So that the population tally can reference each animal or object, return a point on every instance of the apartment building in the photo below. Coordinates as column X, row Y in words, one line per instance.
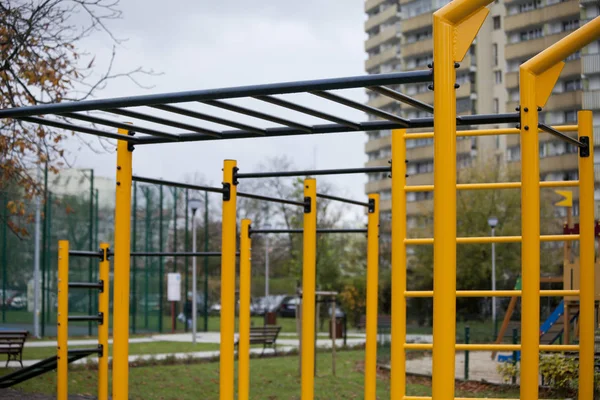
column 400, row 39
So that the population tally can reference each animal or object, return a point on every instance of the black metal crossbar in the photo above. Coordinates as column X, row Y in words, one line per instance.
column 97, row 318
column 86, row 253
column 86, row 285
column 562, row 135
column 270, row 199
column 314, row 172
column 181, row 185
column 333, row 230
column 343, row 200
column 401, row 97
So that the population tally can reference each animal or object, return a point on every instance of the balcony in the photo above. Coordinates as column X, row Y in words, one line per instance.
column 379, row 143
column 420, row 179
column 591, row 101
column 378, row 186
column 380, row 162
column 564, row 101
column 418, row 22
column 380, row 101
column 568, row 9
column 591, row 64
column 384, row 16
column 572, row 68
column 371, row 4
column 421, row 207
column 530, row 48
column 565, row 162
column 381, row 58
column 416, row 48
column 381, row 38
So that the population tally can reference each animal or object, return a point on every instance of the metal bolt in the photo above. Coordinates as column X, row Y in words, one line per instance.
column 526, row 109
column 526, row 127
column 119, row 167
column 518, row 126
column 539, row 108
column 430, row 87
column 517, row 108
column 456, row 86
column 118, row 183
column 456, row 65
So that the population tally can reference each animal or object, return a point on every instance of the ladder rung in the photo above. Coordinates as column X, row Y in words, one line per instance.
column 494, row 185
column 86, row 285
column 493, row 347
column 494, row 239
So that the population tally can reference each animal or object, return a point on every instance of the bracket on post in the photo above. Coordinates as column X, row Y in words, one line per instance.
column 226, row 191
column 307, row 205
column 584, row 150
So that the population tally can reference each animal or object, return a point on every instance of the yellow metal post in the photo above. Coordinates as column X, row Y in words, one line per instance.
column 454, row 28
column 398, row 355
column 309, row 267
column 228, row 250
column 537, row 77
column 62, row 383
column 103, row 307
column 244, row 340
column 121, row 271
column 372, row 289
column 586, row 259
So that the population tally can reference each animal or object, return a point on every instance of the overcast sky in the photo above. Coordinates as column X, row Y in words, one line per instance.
column 209, row 44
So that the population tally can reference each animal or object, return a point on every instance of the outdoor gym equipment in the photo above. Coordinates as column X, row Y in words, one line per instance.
column 454, row 28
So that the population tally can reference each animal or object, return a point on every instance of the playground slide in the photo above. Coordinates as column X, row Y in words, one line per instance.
column 544, row 328
column 41, row 367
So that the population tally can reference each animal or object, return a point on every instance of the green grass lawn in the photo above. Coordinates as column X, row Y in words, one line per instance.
column 37, row 353
column 271, row 378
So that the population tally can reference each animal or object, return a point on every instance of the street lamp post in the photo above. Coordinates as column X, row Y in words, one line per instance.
column 493, row 222
column 194, row 204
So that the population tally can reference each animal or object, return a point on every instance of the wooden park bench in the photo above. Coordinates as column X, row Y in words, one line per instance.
column 265, row 335
column 11, row 344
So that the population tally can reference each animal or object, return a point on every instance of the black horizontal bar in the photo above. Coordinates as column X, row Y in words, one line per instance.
column 85, row 253
column 176, row 254
column 346, row 171
column 162, row 121
column 206, row 117
column 96, row 350
column 343, row 200
column 98, row 318
column 402, row 98
column 481, row 119
column 176, row 184
column 271, row 199
column 561, row 135
column 323, row 230
column 86, row 285
column 214, row 94
column 309, row 111
column 120, row 125
column 258, row 114
column 362, row 107
column 82, row 129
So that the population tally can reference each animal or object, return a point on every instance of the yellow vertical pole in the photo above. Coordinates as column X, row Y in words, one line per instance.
column 121, row 271
column 62, row 383
column 228, row 250
column 244, row 341
column 309, row 268
column 530, row 245
column 103, row 307
column 586, row 259
column 398, row 355
column 454, row 28
column 444, row 211
column 372, row 292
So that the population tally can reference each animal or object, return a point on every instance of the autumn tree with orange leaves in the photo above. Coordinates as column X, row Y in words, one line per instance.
column 40, row 63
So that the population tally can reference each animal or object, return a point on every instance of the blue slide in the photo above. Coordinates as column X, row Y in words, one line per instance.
column 544, row 328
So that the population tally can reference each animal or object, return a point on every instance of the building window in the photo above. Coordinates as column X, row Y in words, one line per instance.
column 570, row 116
column 570, row 25
column 530, row 5
column 498, row 77
column 496, row 22
column 531, row 34
column 572, row 84
column 496, row 108
column 495, row 53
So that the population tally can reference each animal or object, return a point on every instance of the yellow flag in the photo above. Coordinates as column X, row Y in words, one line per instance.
column 567, row 200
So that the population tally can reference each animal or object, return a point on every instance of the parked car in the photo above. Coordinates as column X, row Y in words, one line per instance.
column 287, row 308
column 215, row 309
column 18, row 302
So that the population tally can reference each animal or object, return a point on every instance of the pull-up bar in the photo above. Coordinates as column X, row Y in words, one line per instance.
column 581, row 144
column 312, row 172
column 177, row 254
column 343, row 200
column 214, row 190
column 323, row 230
